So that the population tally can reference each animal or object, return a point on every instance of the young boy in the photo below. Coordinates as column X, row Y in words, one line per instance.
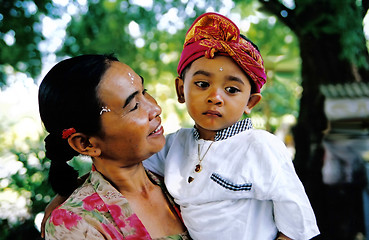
column 231, row 181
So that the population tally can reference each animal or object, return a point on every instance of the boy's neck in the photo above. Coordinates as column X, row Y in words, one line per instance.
column 224, row 133
column 205, row 133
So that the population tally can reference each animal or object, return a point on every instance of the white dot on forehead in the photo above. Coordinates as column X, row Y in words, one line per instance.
column 131, row 76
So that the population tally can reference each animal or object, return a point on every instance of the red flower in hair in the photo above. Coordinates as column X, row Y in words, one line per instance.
column 67, row 132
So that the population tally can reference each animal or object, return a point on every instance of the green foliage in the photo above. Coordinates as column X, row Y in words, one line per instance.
column 34, row 178
column 20, row 35
column 29, row 182
column 279, row 48
column 345, row 19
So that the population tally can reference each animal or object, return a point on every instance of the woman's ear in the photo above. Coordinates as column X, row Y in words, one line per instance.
column 84, row 145
column 179, row 90
column 253, row 100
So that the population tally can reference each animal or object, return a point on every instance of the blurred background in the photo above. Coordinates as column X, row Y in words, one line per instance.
column 316, row 98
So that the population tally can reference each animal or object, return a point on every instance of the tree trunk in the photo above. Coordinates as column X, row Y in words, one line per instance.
column 333, row 51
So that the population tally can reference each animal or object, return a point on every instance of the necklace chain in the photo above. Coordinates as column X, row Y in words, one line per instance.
column 198, row 166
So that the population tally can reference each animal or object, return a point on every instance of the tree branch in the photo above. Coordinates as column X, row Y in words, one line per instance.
column 365, row 4
column 275, row 7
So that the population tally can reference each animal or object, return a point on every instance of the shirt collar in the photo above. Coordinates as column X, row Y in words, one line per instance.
column 230, row 131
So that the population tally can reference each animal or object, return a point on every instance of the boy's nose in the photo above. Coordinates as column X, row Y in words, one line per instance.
column 215, row 98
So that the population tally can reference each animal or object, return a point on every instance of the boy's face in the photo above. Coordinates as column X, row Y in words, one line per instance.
column 216, row 92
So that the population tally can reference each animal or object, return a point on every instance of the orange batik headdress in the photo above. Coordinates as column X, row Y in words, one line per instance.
column 213, row 34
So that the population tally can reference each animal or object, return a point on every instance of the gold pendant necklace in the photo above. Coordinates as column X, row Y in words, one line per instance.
column 198, row 166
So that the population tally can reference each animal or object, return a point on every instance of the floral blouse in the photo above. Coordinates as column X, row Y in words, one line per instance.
column 97, row 210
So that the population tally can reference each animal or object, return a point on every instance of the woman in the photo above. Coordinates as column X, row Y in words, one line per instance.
column 96, row 106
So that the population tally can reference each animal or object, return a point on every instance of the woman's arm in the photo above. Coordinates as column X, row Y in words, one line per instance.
column 281, row 236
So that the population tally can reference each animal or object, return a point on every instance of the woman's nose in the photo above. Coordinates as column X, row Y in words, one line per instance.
column 154, row 108
column 215, row 97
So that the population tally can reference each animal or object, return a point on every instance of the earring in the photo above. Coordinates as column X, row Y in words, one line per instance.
column 181, row 99
column 221, row 69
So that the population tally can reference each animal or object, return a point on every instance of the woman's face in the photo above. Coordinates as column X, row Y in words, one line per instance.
column 131, row 130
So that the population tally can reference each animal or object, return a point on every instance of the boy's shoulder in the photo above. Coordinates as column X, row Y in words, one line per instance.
column 182, row 132
column 264, row 141
column 181, row 135
column 254, row 135
column 258, row 138
column 186, row 130
column 259, row 135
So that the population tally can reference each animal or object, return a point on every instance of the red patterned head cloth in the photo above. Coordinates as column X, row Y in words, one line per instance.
column 212, row 34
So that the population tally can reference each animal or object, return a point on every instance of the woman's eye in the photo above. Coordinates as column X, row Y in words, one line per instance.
column 202, row 84
column 232, row 89
column 135, row 107
column 137, row 104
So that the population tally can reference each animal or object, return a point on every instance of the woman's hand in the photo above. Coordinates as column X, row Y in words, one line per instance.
column 58, row 199
column 281, row 236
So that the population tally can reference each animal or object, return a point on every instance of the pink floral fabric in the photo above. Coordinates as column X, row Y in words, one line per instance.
column 62, row 216
column 97, row 210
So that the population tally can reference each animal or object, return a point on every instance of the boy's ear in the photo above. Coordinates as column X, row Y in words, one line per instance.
column 180, row 90
column 84, row 145
column 253, row 100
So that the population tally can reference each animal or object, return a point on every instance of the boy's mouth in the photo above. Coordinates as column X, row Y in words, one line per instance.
column 212, row 113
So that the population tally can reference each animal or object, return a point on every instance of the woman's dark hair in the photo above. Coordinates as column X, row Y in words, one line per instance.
column 68, row 98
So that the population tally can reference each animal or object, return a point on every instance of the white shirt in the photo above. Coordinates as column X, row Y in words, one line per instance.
column 247, row 189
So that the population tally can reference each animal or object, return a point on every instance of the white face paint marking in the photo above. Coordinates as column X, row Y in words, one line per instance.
column 132, row 77
column 104, row 109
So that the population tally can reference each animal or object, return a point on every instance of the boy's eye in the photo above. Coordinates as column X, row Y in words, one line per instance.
column 202, row 84
column 232, row 89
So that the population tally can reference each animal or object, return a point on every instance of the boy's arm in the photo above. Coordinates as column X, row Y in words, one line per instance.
column 289, row 196
column 285, row 189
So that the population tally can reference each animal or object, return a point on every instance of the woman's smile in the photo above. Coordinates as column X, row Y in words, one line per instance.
column 158, row 131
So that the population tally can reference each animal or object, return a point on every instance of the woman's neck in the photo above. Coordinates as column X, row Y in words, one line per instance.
column 131, row 180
